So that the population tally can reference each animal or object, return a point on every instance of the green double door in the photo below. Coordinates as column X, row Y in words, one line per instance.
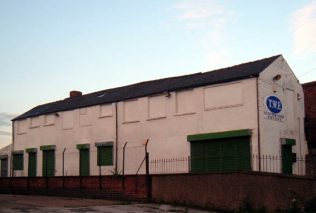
column 84, row 162
column 32, row 164
column 48, row 163
column 287, row 161
column 218, row 155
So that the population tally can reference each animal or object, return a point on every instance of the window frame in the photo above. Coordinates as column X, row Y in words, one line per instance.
column 18, row 161
column 105, row 154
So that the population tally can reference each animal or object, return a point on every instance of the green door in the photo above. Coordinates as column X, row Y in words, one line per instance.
column 212, row 156
column 198, row 162
column 32, row 164
column 227, row 154
column 4, row 167
column 287, row 159
column 84, row 166
column 48, row 163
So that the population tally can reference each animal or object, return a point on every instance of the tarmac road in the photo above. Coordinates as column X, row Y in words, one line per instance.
column 36, row 204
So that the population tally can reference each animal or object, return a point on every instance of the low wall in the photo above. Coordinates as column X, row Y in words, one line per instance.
column 130, row 187
column 311, row 165
column 228, row 191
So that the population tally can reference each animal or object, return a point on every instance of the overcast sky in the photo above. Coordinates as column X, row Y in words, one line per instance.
column 49, row 47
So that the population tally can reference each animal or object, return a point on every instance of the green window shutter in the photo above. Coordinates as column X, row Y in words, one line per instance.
column 32, row 164
column 105, row 155
column 17, row 161
column 48, row 163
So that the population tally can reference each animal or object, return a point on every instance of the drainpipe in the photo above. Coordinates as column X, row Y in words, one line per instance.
column 299, row 135
column 258, row 125
column 116, row 138
column 64, row 169
column 12, row 149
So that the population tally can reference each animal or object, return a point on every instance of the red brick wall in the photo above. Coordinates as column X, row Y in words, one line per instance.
column 132, row 186
column 228, row 191
column 310, row 113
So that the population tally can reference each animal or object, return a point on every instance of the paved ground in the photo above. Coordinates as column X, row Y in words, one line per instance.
column 30, row 204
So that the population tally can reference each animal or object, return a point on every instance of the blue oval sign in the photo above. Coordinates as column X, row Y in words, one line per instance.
column 274, row 104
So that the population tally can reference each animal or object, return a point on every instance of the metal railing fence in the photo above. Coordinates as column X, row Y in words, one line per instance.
column 268, row 163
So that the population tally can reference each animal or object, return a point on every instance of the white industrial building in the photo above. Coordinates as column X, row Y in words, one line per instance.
column 221, row 119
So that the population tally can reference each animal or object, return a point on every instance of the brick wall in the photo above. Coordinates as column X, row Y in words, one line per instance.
column 130, row 187
column 228, row 191
column 310, row 113
column 223, row 191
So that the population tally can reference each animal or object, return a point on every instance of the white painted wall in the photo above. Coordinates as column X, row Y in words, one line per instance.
column 165, row 121
column 189, row 112
column 66, row 130
column 290, row 92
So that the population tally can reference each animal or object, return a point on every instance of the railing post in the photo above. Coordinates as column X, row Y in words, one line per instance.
column 64, row 168
column 123, row 169
column 99, row 162
column 148, row 178
column 46, row 170
column 189, row 164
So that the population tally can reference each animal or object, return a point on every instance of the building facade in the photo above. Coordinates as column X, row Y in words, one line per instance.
column 5, row 158
column 220, row 119
column 310, row 115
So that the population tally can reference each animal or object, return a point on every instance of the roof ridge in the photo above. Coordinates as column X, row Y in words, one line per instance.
column 179, row 76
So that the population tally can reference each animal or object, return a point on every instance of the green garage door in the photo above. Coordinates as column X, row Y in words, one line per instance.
column 84, row 162
column 48, row 163
column 217, row 155
column 32, row 164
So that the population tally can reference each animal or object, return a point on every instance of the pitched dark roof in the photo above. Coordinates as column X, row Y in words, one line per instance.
column 237, row 72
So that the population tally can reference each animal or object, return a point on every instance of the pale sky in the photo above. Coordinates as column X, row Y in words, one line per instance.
column 49, row 47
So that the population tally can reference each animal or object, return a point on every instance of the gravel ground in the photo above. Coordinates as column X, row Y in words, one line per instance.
column 35, row 204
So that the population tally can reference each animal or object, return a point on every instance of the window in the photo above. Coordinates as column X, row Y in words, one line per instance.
column 85, row 117
column 131, row 111
column 49, row 119
column 106, row 110
column 18, row 161
column 105, row 155
column 223, row 96
column 83, row 111
column 22, row 126
column 35, row 122
column 185, row 102
column 68, row 120
column 157, row 107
